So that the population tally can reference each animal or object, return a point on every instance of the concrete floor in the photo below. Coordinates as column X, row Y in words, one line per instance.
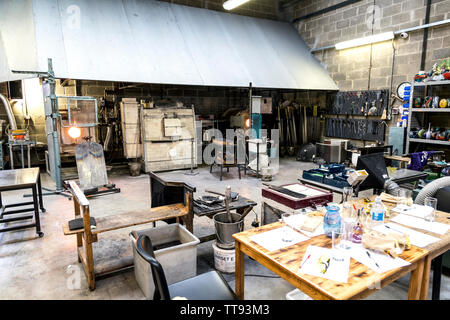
column 47, row 268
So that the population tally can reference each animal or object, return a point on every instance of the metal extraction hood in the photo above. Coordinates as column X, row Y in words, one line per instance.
column 154, row 42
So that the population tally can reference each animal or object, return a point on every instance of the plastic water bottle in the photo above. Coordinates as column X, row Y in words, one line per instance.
column 377, row 212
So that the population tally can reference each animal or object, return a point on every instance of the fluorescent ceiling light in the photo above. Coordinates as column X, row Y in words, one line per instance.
column 231, row 4
column 366, row 40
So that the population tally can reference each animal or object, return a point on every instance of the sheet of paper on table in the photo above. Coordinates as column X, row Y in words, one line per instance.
column 339, row 263
column 417, row 238
column 415, row 210
column 307, row 191
column 418, row 223
column 272, row 240
column 296, row 221
column 385, row 262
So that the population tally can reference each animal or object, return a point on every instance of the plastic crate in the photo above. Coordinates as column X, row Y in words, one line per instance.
column 178, row 261
column 314, row 175
column 338, row 182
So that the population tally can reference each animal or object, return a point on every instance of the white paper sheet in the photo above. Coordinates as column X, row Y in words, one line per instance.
column 307, row 191
column 339, row 263
column 415, row 210
column 297, row 220
column 418, row 223
column 272, row 240
column 418, row 239
column 385, row 262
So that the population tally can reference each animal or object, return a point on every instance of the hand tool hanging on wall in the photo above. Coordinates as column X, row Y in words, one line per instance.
column 369, row 102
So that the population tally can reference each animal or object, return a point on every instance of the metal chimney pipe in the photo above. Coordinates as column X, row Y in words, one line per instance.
column 9, row 112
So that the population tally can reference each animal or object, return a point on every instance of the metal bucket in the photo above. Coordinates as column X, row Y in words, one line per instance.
column 225, row 229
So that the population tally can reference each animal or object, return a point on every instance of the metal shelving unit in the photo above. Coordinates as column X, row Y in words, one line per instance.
column 424, row 110
column 446, row 143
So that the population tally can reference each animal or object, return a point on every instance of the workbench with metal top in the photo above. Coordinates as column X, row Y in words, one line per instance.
column 19, row 179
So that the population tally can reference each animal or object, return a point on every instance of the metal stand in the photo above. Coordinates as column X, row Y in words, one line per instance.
column 21, row 144
column 192, row 172
column 51, row 104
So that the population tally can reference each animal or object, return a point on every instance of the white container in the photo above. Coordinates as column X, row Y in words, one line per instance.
column 224, row 259
column 179, row 261
column 297, row 295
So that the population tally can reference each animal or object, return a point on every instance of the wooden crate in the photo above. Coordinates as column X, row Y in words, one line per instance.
column 131, row 131
column 167, row 138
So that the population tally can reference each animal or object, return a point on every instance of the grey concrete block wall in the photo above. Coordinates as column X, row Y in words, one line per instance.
column 370, row 67
column 355, row 21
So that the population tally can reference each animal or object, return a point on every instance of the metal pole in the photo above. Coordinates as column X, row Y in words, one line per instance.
column 50, row 75
column 54, row 115
column 192, row 172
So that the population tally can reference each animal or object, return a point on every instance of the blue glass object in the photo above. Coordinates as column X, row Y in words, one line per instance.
column 332, row 220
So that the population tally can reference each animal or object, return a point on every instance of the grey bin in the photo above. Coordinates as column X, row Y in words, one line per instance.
column 179, row 261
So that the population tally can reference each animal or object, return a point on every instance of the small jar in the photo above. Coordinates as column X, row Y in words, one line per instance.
column 332, row 220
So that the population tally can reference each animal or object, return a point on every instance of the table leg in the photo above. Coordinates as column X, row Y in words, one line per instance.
column 29, row 156
column 415, row 283
column 41, row 202
column 437, row 274
column 425, row 279
column 239, row 271
column 36, row 212
column 11, row 157
column 21, row 154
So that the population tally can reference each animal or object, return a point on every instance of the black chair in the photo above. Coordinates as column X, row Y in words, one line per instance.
column 207, row 286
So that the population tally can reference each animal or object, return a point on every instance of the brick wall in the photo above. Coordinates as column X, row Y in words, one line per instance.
column 370, row 67
column 267, row 9
column 350, row 67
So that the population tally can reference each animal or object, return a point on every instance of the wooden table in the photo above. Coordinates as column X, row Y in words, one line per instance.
column 362, row 281
column 435, row 250
column 19, row 179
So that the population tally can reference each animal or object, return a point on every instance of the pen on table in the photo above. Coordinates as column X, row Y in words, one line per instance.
column 393, row 229
column 372, row 258
column 309, row 256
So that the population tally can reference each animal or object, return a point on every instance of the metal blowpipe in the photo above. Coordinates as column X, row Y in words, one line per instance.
column 227, row 203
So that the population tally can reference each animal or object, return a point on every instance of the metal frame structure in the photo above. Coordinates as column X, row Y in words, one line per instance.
column 74, row 98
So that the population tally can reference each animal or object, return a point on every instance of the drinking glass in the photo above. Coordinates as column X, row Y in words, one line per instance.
column 336, row 238
column 430, row 202
column 406, row 194
column 287, row 235
column 347, row 193
column 347, row 230
column 337, row 244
